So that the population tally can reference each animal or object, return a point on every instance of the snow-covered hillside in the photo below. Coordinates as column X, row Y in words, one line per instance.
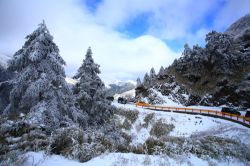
column 119, row 87
column 185, row 126
column 120, row 159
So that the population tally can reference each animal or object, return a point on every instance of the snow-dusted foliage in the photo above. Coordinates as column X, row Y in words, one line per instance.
column 90, row 92
column 39, row 88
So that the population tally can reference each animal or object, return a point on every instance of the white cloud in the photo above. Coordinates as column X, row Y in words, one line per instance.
column 74, row 29
column 171, row 19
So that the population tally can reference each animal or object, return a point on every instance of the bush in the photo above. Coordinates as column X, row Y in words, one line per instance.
column 148, row 118
column 159, row 129
column 152, row 144
column 131, row 115
column 126, row 125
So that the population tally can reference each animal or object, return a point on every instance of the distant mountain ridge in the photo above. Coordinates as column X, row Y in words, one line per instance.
column 218, row 74
column 4, row 60
column 119, row 87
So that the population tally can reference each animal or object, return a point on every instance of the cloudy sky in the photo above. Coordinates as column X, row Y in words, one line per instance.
column 127, row 37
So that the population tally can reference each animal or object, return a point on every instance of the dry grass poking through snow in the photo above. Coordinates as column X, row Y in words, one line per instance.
column 148, row 119
column 158, row 141
column 160, row 129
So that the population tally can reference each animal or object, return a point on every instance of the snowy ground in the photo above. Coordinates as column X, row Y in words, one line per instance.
column 121, row 159
column 185, row 126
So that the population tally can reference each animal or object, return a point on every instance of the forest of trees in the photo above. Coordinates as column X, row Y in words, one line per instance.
column 36, row 101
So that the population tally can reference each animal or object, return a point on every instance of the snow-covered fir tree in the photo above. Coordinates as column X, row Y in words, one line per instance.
column 138, row 82
column 146, row 80
column 39, row 88
column 90, row 91
column 152, row 74
column 161, row 71
column 187, row 50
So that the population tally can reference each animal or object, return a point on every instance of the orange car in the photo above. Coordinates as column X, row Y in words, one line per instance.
column 141, row 103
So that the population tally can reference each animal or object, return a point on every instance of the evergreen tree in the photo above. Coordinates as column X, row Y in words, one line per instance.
column 187, row 50
column 161, row 71
column 90, row 91
column 146, row 80
column 39, row 88
column 152, row 74
column 138, row 82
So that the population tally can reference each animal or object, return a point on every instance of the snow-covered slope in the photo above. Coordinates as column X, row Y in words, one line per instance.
column 119, row 87
column 121, row 159
column 185, row 126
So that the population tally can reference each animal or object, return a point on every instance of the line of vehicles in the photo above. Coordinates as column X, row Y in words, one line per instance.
column 228, row 110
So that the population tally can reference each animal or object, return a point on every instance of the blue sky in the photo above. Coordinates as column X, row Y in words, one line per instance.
column 127, row 37
column 138, row 24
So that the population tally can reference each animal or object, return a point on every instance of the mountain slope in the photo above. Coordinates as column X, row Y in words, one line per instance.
column 218, row 74
column 119, row 87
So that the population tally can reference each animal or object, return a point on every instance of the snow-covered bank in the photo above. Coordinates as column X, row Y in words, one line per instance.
column 186, row 125
column 123, row 159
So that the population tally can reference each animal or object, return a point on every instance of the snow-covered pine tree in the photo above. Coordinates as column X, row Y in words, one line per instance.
column 138, row 82
column 146, row 80
column 152, row 74
column 187, row 50
column 90, row 92
column 161, row 71
column 39, row 88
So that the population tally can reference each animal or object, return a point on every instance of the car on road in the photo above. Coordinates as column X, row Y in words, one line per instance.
column 122, row 100
column 110, row 98
column 141, row 103
column 230, row 111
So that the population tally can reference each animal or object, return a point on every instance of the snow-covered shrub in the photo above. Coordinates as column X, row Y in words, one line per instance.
column 14, row 158
column 154, row 97
column 148, row 119
column 131, row 115
column 126, row 124
column 219, row 148
column 18, row 137
column 152, row 145
column 160, row 129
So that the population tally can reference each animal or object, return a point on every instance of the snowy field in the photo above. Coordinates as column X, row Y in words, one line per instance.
column 121, row 159
column 185, row 126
